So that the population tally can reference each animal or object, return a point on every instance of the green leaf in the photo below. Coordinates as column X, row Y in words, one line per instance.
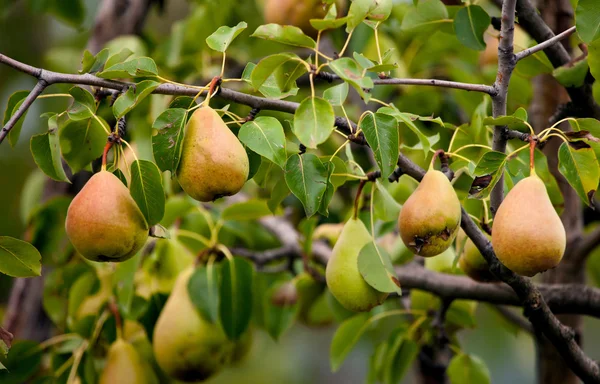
column 580, row 168
column 235, row 292
column 400, row 357
column 359, row 9
column 375, row 266
column 134, row 95
column 280, row 308
column 487, row 173
column 467, row 369
column 282, row 77
column 345, row 338
column 594, row 60
column 147, row 190
column 246, row 210
column 281, row 68
column 125, row 274
column 386, row 208
column 408, row 121
column 167, row 143
column 349, row 70
column 84, row 104
column 329, row 190
column 286, row 34
column 427, row 16
column 81, row 142
column 470, row 24
column 71, row 12
column 265, row 136
column 203, row 289
column 337, row 94
column 313, row 121
column 278, row 194
column 45, row 149
column 323, row 24
column 572, row 75
column 93, row 64
column 19, row 258
column 222, row 37
column 14, row 102
column 138, row 67
column 516, row 121
column 381, row 132
column 22, row 362
column 306, row 176
column 587, row 20
column 119, row 57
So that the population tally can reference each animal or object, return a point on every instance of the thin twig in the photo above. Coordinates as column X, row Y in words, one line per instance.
column 530, row 51
column 35, row 92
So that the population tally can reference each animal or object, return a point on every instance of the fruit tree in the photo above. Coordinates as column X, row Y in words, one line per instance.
column 202, row 190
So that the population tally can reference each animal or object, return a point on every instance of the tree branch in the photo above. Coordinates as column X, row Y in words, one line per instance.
column 530, row 51
column 438, row 83
column 35, row 92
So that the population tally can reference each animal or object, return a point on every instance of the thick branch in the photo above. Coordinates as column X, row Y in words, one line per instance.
column 530, row 51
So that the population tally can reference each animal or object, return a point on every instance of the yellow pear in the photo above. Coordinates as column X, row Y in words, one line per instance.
column 124, row 365
column 103, row 221
column 298, row 12
column 528, row 236
column 186, row 346
column 471, row 261
column 213, row 161
column 328, row 231
column 344, row 280
column 430, row 218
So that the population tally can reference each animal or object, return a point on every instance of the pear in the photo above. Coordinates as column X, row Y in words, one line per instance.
column 92, row 304
column 343, row 277
column 242, row 347
column 213, row 161
column 471, row 261
column 103, row 221
column 430, row 218
column 298, row 12
column 528, row 236
column 124, row 365
column 186, row 346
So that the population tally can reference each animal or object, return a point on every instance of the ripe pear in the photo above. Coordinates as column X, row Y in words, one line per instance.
column 213, row 161
column 471, row 261
column 186, row 346
column 103, row 221
column 430, row 218
column 298, row 12
column 124, row 365
column 528, row 236
column 343, row 277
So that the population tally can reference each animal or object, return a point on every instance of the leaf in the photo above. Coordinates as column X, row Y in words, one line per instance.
column 337, row 94
column 381, row 132
column 19, row 258
column 45, row 149
column 147, row 190
column 323, row 24
column 14, row 102
column 491, row 164
column 71, row 12
column 278, row 194
column 271, row 88
column 138, row 67
column 359, row 9
column 349, row 70
column 572, row 75
column 470, row 23
column 277, row 67
column 265, row 136
column 22, row 362
column 167, row 143
column 235, row 292
column 580, row 168
column 125, row 275
column 386, row 208
column 83, row 106
column 286, row 34
column 246, row 210
column 345, row 338
column 400, row 357
column 81, row 142
column 6, row 339
column 426, row 16
column 134, row 95
column 306, row 176
column 93, row 64
column 280, row 308
column 407, row 120
column 375, row 266
column 159, row 232
column 467, row 369
column 119, row 57
column 222, row 37
column 313, row 121
column 203, row 289
column 329, row 190
column 587, row 20
column 516, row 121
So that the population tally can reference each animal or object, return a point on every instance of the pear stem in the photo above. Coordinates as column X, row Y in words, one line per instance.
column 532, row 143
column 214, row 83
column 371, row 176
column 107, row 148
column 112, row 306
column 443, row 159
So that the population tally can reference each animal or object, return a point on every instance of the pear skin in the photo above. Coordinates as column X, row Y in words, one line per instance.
column 213, row 161
column 344, row 280
column 124, row 365
column 528, row 236
column 103, row 221
column 298, row 13
column 430, row 218
column 187, row 347
column 471, row 261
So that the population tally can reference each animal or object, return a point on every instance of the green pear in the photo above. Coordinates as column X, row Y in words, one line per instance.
column 103, row 221
column 343, row 277
column 242, row 347
column 186, row 346
column 471, row 261
column 124, row 364
column 310, row 296
column 213, row 161
column 430, row 218
column 528, row 236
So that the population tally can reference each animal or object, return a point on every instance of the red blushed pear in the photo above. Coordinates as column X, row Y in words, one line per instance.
column 298, row 12
column 528, row 235
column 103, row 221
column 213, row 162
